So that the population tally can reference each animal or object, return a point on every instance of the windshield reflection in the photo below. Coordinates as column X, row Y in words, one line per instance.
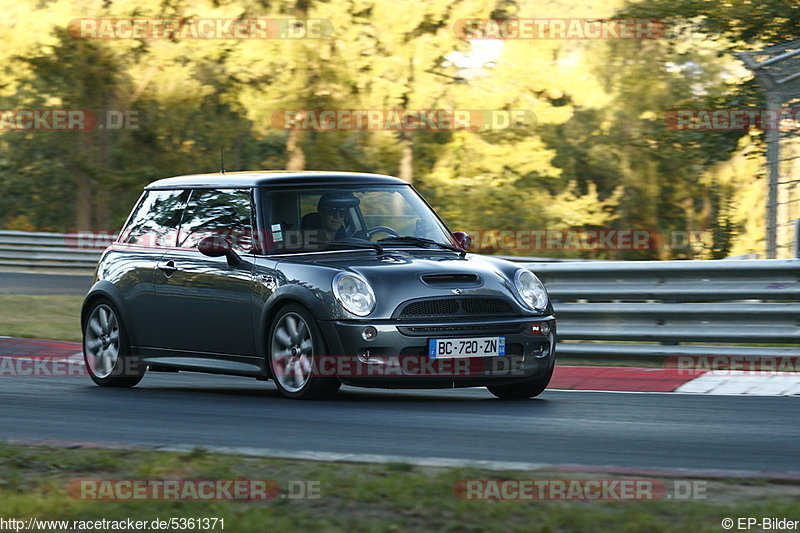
column 333, row 217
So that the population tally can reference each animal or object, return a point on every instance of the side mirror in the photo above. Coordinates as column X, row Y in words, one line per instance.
column 463, row 240
column 217, row 246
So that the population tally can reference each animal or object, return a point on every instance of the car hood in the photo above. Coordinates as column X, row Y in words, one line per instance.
column 399, row 276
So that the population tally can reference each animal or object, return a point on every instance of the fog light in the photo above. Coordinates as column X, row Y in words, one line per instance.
column 366, row 357
column 369, row 333
column 545, row 328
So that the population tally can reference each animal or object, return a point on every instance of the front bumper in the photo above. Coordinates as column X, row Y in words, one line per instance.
column 398, row 355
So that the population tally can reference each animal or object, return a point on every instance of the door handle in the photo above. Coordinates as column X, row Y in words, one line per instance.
column 168, row 268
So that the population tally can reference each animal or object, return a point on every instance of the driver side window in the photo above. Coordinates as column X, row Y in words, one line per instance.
column 223, row 212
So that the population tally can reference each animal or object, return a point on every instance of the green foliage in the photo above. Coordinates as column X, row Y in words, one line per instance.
column 598, row 154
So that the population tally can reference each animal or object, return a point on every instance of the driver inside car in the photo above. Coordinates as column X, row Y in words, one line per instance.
column 329, row 222
column 332, row 222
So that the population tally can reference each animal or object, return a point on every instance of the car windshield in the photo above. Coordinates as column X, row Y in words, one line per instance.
column 350, row 216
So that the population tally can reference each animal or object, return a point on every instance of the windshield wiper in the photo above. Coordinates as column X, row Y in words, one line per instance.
column 364, row 245
column 410, row 239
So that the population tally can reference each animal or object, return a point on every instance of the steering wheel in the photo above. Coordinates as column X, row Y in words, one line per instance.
column 381, row 229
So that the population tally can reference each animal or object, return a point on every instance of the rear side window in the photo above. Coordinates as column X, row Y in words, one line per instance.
column 224, row 212
column 155, row 221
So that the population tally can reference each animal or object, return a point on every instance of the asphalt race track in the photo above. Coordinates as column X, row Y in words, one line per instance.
column 749, row 435
column 738, row 435
column 42, row 283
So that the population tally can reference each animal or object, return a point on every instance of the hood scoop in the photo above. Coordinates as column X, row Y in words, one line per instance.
column 451, row 280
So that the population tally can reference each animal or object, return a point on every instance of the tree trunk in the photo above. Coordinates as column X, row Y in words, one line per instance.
column 297, row 159
column 101, row 196
column 83, row 204
column 407, row 158
column 83, row 185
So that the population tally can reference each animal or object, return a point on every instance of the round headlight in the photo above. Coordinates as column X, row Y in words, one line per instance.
column 530, row 289
column 354, row 293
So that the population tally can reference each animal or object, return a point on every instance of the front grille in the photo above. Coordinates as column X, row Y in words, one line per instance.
column 460, row 329
column 456, row 307
column 430, row 308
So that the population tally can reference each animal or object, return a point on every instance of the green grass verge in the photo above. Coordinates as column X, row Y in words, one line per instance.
column 355, row 497
column 41, row 316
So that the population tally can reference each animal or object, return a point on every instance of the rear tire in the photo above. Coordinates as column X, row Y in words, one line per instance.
column 294, row 344
column 522, row 391
column 106, row 350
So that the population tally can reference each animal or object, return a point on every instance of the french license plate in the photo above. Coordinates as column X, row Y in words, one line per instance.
column 469, row 347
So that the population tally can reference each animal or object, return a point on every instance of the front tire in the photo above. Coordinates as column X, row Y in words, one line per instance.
column 522, row 391
column 293, row 344
column 106, row 350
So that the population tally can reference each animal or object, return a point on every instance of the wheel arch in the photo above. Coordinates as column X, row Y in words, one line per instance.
column 287, row 295
column 104, row 290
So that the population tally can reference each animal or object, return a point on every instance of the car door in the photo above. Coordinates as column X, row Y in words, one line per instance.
column 151, row 229
column 204, row 303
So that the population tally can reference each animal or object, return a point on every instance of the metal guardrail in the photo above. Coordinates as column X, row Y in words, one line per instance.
column 80, row 252
column 615, row 308
column 48, row 251
column 604, row 308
